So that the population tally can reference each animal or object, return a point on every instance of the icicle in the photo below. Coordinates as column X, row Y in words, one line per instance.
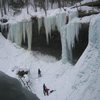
column 47, row 25
column 29, row 33
column 24, row 30
column 39, row 24
column 53, row 22
column 19, row 31
column 11, row 32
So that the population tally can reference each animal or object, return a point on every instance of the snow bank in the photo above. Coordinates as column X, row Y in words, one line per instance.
column 94, row 32
column 86, row 77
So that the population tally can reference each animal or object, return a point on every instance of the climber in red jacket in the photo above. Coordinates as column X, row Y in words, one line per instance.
column 47, row 91
column 66, row 19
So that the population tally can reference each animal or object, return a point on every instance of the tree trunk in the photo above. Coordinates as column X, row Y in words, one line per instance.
column 92, row 6
column 27, row 6
column 1, row 9
column 77, row 7
column 4, row 7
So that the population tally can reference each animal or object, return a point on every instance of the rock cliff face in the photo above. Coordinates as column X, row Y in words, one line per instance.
column 4, row 28
column 95, row 3
column 11, row 89
column 82, row 42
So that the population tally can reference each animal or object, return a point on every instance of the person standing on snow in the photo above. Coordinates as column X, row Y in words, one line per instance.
column 44, row 89
column 39, row 72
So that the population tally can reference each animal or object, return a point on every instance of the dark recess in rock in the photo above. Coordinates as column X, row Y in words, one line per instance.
column 82, row 42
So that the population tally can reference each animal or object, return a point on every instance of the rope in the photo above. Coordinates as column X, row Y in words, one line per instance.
column 26, row 85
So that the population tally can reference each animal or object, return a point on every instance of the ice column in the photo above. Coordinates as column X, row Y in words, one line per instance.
column 64, row 45
column 29, row 33
column 69, row 32
column 11, row 31
column 72, row 29
column 24, row 30
column 19, row 31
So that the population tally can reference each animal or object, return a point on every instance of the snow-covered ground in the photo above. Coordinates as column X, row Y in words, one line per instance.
column 79, row 82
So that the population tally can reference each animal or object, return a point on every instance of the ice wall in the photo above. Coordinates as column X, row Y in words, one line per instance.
column 19, row 30
column 94, row 32
column 15, row 33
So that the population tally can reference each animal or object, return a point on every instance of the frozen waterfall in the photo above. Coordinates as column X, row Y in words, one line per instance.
column 68, row 34
column 72, row 29
column 51, row 22
column 19, row 30
column 72, row 33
